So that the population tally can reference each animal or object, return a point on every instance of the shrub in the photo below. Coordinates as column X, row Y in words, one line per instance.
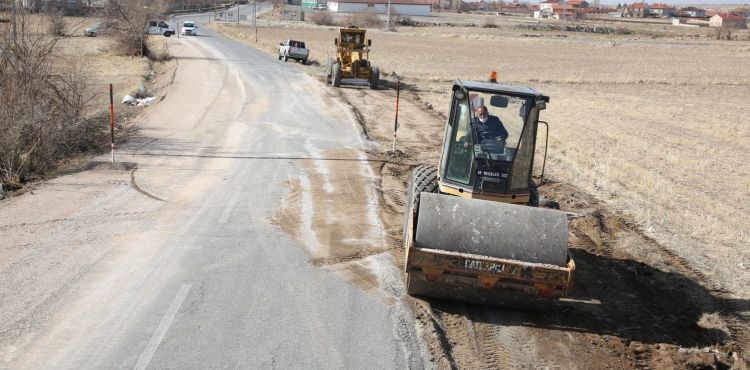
column 489, row 23
column 56, row 22
column 403, row 20
column 368, row 19
column 322, row 19
column 723, row 33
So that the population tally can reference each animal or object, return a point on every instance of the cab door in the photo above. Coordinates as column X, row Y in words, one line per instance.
column 153, row 28
column 162, row 26
column 458, row 147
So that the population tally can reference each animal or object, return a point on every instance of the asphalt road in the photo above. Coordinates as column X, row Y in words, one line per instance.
column 171, row 258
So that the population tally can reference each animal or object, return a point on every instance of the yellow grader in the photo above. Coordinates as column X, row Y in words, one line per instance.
column 473, row 228
column 352, row 66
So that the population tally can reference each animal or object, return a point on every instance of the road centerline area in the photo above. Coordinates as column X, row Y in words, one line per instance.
column 161, row 330
column 230, row 206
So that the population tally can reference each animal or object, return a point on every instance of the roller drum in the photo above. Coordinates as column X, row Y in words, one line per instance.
column 493, row 229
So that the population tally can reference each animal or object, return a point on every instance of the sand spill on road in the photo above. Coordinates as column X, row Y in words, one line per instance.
column 332, row 208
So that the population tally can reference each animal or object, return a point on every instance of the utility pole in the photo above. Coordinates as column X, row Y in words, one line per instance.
column 388, row 23
column 255, row 19
column 562, row 24
column 13, row 13
column 238, row 14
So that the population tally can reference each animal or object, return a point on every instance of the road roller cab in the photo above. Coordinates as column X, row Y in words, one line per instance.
column 472, row 228
column 490, row 157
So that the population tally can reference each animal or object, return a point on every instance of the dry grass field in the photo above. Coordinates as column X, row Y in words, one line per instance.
column 94, row 56
column 653, row 128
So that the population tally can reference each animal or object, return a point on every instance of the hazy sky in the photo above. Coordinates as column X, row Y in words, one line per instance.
column 703, row 3
column 684, row 2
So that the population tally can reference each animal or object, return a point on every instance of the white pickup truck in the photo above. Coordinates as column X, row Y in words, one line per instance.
column 157, row 27
column 291, row 49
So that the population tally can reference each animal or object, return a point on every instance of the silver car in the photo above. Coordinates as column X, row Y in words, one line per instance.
column 99, row 28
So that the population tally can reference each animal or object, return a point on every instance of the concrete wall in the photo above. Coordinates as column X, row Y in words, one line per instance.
column 401, row 9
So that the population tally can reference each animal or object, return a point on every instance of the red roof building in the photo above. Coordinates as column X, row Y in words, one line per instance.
column 727, row 20
column 663, row 10
column 577, row 3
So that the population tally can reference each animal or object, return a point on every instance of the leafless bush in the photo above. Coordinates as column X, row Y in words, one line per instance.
column 587, row 28
column 489, row 23
column 367, row 19
column 44, row 108
column 322, row 19
column 56, row 22
column 131, row 17
column 403, row 20
column 722, row 33
column 159, row 55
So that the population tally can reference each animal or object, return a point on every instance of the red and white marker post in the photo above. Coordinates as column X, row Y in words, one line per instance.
column 112, row 121
column 395, row 123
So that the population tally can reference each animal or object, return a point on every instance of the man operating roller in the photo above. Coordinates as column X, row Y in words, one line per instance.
column 487, row 126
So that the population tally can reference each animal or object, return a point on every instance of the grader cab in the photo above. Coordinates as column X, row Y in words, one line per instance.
column 352, row 65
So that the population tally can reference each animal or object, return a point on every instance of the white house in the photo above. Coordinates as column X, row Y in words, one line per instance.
column 692, row 11
column 401, row 7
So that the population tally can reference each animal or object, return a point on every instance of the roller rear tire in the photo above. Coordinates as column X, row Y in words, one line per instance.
column 533, row 194
column 336, row 75
column 374, row 78
column 423, row 179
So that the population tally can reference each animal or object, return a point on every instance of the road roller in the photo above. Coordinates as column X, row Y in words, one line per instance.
column 473, row 227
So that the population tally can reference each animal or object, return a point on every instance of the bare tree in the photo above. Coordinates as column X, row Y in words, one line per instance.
column 131, row 17
column 278, row 5
column 455, row 5
column 56, row 22
column 44, row 105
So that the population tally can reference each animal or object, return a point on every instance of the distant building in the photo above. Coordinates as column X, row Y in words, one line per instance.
column 692, row 12
column 577, row 3
column 401, row 7
column 313, row 4
column 559, row 9
column 516, row 8
column 662, row 10
column 67, row 6
column 637, row 10
column 724, row 20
